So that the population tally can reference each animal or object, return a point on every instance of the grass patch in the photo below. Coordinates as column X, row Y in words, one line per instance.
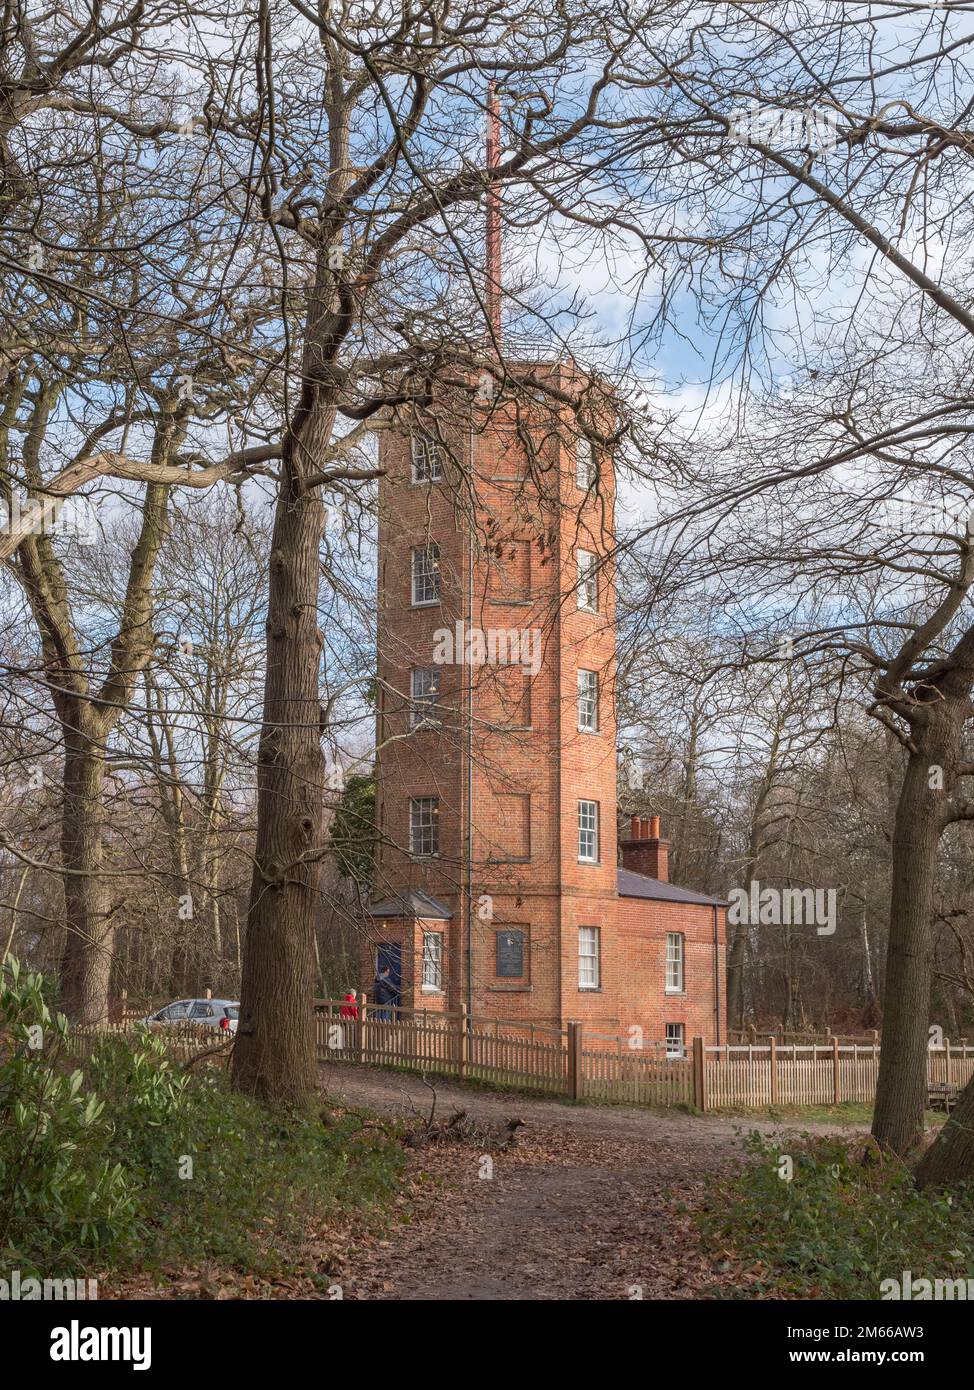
column 849, row 1112
column 847, row 1219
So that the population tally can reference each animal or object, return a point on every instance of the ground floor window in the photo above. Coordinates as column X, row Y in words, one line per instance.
column 675, row 1040
column 432, row 960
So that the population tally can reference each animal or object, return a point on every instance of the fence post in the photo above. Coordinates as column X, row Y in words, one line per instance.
column 699, row 1087
column 463, row 1050
column 836, row 1078
column 363, row 1004
column 574, row 1060
column 774, row 1069
column 947, row 1077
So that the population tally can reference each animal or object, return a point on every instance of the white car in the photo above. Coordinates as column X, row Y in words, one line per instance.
column 208, row 1013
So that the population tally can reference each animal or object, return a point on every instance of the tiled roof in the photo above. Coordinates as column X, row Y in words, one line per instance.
column 640, row 886
column 412, row 904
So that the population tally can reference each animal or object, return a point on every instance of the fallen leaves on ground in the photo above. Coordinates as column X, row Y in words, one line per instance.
column 552, row 1215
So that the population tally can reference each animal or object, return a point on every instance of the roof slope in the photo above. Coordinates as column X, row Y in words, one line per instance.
column 641, row 886
column 412, row 904
column 419, row 904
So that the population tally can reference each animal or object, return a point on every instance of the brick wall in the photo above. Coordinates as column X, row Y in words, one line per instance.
column 644, row 925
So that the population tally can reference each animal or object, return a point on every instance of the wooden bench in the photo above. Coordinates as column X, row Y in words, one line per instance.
column 942, row 1096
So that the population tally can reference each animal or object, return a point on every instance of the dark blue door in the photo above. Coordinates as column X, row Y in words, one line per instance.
column 390, row 953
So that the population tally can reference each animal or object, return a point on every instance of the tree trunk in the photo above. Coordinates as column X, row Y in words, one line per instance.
column 902, row 1084
column 274, row 1054
column 735, row 977
column 213, row 964
column 950, row 1158
column 737, row 951
column 869, row 996
column 13, row 913
column 87, row 961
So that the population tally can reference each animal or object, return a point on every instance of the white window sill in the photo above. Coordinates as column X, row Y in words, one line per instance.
column 592, row 863
column 583, row 729
column 669, row 990
column 431, row 989
column 425, row 603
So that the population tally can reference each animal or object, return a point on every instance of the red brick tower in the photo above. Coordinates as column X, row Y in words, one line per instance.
column 496, row 881
column 497, row 886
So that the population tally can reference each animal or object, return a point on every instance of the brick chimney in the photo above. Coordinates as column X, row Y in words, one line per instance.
column 644, row 852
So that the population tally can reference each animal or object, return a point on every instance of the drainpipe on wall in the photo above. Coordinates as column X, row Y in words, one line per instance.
column 716, row 978
column 469, row 854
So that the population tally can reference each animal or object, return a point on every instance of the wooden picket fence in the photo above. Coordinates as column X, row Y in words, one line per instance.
column 580, row 1063
column 181, row 1040
column 813, row 1073
column 587, row 1065
column 487, row 1049
column 613, row 1069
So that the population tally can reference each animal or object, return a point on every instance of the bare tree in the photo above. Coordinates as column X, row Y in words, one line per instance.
column 819, row 151
column 383, row 221
column 106, row 391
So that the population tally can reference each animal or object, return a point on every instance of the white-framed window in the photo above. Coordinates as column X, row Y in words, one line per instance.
column 424, row 691
column 427, row 459
column 584, row 463
column 588, row 831
column 426, row 574
column 675, row 952
column 588, row 581
column 676, row 1043
column 588, row 701
column 432, row 960
column 589, row 971
column 424, row 825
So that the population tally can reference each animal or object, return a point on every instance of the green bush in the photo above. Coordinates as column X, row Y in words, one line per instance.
column 62, row 1186
column 128, row 1159
column 147, row 1098
column 847, row 1219
column 239, row 1186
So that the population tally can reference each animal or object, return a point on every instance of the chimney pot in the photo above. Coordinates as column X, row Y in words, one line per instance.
column 634, row 827
column 646, row 853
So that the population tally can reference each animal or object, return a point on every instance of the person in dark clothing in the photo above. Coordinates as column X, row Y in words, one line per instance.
column 384, row 993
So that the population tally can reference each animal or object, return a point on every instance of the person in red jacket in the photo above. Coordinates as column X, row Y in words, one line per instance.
column 349, row 1007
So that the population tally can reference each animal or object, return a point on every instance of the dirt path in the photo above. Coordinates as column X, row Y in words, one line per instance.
column 592, row 1202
